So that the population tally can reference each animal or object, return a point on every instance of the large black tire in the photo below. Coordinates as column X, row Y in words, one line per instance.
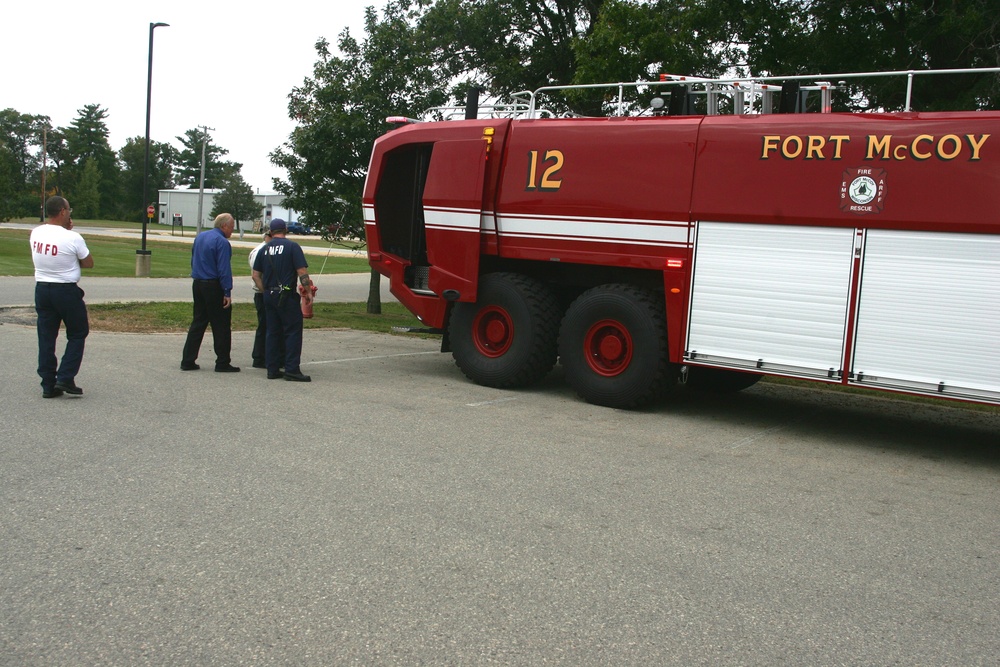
column 719, row 381
column 613, row 345
column 507, row 338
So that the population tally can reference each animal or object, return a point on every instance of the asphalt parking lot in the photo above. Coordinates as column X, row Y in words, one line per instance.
column 392, row 513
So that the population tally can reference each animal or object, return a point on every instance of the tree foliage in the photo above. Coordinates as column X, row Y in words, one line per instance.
column 189, row 160
column 8, row 193
column 20, row 162
column 87, row 195
column 341, row 109
column 79, row 164
column 132, row 156
column 87, row 139
column 510, row 45
column 836, row 36
column 237, row 199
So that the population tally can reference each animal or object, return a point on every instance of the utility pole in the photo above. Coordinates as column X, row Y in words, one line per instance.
column 201, row 181
column 45, row 155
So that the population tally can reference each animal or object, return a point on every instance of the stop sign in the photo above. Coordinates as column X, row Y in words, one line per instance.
column 150, row 211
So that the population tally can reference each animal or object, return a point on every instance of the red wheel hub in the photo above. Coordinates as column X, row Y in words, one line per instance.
column 493, row 331
column 608, row 348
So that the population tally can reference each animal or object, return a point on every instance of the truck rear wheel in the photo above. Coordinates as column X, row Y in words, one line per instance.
column 507, row 338
column 719, row 381
column 613, row 345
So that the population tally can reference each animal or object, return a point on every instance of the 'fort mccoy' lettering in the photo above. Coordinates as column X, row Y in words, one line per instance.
column 922, row 147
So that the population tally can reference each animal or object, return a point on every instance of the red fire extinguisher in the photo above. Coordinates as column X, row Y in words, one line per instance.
column 307, row 305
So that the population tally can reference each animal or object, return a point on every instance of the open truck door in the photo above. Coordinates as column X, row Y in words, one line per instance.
column 453, row 211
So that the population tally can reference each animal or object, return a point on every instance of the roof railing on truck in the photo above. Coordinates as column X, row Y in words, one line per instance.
column 744, row 91
column 515, row 109
column 747, row 95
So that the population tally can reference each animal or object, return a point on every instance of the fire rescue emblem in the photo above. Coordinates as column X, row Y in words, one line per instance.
column 862, row 191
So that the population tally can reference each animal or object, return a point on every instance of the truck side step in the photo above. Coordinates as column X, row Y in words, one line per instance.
column 423, row 330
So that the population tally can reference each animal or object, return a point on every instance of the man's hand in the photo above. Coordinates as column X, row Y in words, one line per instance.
column 227, row 301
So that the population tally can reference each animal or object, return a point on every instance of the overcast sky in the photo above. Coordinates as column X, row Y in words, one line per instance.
column 225, row 64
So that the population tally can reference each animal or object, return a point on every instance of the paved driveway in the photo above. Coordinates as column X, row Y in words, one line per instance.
column 392, row 513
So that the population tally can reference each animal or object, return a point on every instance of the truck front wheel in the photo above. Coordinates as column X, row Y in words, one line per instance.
column 613, row 346
column 507, row 338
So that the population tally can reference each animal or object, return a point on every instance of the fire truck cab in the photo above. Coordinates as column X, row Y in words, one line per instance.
column 851, row 249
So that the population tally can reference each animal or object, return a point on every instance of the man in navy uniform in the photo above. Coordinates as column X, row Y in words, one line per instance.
column 274, row 272
column 260, row 336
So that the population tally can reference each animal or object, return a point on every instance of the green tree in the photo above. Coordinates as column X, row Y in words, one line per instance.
column 238, row 200
column 59, row 163
column 8, row 193
column 87, row 138
column 634, row 41
column 506, row 46
column 20, row 155
column 510, row 45
column 163, row 159
column 189, row 160
column 87, row 194
column 341, row 110
column 835, row 36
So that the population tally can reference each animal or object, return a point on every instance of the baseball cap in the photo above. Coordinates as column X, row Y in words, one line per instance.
column 278, row 225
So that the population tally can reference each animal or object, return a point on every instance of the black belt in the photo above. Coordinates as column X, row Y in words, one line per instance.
column 203, row 280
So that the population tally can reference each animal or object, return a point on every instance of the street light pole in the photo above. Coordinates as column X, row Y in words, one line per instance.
column 142, row 256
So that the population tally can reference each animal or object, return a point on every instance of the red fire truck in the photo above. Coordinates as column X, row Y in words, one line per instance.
column 706, row 248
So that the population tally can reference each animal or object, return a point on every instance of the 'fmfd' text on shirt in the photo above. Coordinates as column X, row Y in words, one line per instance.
column 45, row 248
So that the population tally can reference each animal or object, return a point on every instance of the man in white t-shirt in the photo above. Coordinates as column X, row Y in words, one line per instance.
column 58, row 254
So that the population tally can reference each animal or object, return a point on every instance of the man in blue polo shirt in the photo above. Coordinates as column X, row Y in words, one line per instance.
column 212, row 272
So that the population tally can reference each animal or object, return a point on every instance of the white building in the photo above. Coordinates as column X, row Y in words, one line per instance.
column 180, row 206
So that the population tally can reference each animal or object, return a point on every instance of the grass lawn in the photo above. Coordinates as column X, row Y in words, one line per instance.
column 115, row 257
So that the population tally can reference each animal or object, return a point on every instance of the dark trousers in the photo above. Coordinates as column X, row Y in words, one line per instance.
column 208, row 310
column 58, row 303
column 260, row 338
column 284, row 323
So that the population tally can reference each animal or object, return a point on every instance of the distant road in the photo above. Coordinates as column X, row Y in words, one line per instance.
column 331, row 288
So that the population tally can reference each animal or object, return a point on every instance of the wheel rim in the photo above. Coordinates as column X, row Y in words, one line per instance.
column 493, row 331
column 608, row 347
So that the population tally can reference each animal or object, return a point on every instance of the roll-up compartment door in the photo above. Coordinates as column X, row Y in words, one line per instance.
column 929, row 314
column 771, row 297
